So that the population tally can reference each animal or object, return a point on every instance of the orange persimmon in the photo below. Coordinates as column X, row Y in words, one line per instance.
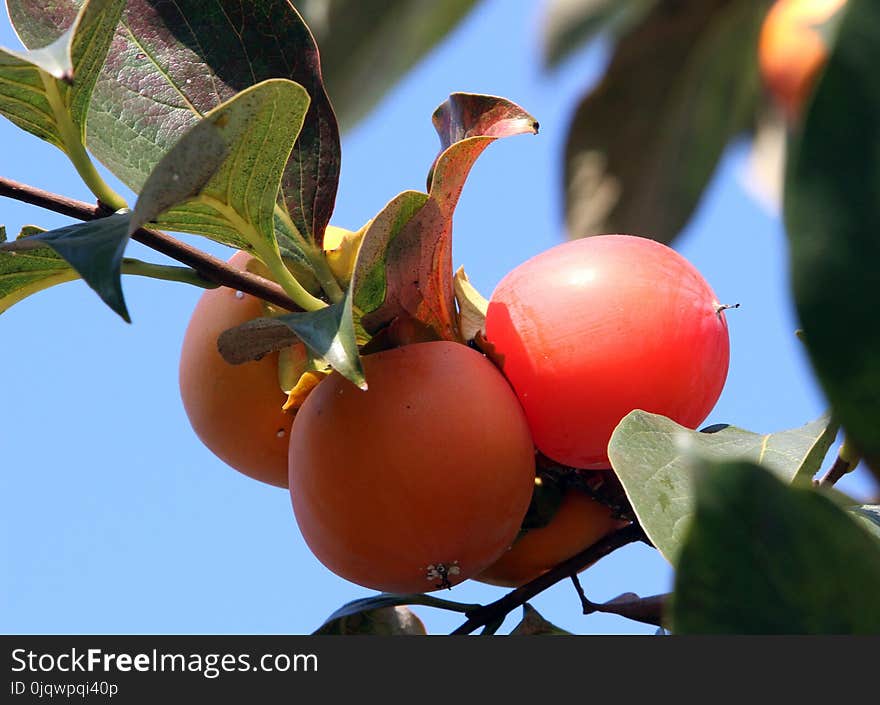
column 419, row 482
column 579, row 522
column 235, row 410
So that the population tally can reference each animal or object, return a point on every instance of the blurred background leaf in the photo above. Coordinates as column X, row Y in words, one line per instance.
column 367, row 46
column 644, row 143
column 762, row 557
column 570, row 23
column 832, row 216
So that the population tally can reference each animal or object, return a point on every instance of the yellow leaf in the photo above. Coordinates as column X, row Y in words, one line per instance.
column 340, row 248
column 303, row 388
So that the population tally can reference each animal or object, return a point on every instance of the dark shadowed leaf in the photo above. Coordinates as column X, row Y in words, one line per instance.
column 762, row 557
column 570, row 23
column 94, row 249
column 533, row 624
column 171, row 63
column 832, row 215
column 645, row 142
column 367, row 46
column 386, row 600
column 221, row 178
column 47, row 90
column 329, row 333
column 28, row 271
column 404, row 266
column 254, row 339
column 652, row 455
column 383, row 621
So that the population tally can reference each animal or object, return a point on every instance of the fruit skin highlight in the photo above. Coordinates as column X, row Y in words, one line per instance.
column 592, row 329
column 579, row 522
column 792, row 52
column 418, row 483
column 235, row 410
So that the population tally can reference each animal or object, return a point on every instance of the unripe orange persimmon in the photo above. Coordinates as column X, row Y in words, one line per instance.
column 234, row 409
column 579, row 522
column 419, row 482
column 792, row 51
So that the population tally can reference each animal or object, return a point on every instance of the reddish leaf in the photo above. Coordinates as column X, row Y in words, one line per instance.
column 404, row 268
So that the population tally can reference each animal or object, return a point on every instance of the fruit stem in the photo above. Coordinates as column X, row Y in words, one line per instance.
column 71, row 137
column 315, row 256
column 847, row 460
column 184, row 275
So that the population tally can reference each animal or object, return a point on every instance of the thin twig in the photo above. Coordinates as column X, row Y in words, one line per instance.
column 207, row 266
column 648, row 610
column 587, row 606
column 487, row 614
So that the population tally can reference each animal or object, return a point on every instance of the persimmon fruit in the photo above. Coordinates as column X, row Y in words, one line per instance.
column 235, row 410
column 579, row 522
column 592, row 329
column 792, row 50
column 419, row 482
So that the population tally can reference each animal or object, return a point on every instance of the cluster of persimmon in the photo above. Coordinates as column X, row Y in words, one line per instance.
column 424, row 479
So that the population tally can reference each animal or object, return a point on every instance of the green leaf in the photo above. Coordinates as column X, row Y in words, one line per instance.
column 367, row 46
column 533, row 624
column 762, row 557
column 190, row 72
column 389, row 600
column 370, row 279
column 832, row 215
column 28, row 272
column 94, row 249
column 329, row 333
column 47, row 91
column 221, row 179
column 651, row 456
column 686, row 81
column 383, row 621
column 567, row 24
column 404, row 266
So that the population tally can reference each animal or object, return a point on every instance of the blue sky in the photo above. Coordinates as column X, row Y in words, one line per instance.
column 117, row 520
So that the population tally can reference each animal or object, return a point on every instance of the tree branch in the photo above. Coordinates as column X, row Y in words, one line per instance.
column 649, row 610
column 207, row 266
column 488, row 614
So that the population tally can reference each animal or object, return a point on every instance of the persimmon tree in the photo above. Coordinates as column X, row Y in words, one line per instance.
column 222, row 135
